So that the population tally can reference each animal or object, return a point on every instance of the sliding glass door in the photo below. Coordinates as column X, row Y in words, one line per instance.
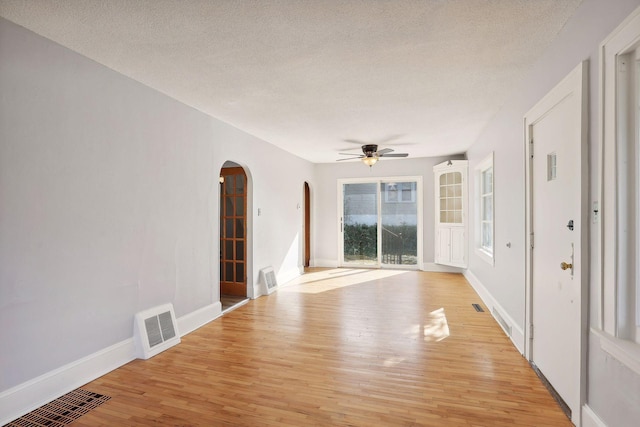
column 380, row 222
column 360, row 224
column 399, row 219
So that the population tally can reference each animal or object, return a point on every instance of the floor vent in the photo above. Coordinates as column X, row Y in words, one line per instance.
column 478, row 308
column 501, row 321
column 268, row 280
column 62, row 411
column 155, row 330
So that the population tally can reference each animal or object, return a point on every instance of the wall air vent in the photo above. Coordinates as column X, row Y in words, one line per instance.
column 268, row 281
column 155, row 330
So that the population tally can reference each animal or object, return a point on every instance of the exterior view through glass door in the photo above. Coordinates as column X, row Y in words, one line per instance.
column 399, row 219
column 380, row 223
column 360, row 224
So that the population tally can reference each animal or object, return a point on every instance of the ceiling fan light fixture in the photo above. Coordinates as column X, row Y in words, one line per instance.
column 370, row 160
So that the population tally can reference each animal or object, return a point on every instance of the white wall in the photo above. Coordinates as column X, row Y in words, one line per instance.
column 325, row 240
column 109, row 205
column 614, row 391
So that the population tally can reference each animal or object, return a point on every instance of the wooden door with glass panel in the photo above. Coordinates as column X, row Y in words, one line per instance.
column 233, row 235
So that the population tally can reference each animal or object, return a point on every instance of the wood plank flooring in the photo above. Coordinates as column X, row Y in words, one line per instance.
column 337, row 348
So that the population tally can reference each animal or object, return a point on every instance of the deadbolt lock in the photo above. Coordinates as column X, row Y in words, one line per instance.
column 565, row 266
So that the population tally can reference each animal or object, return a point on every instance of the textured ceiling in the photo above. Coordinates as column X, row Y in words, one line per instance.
column 311, row 75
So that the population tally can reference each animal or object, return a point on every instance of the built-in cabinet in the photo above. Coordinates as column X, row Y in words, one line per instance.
column 451, row 191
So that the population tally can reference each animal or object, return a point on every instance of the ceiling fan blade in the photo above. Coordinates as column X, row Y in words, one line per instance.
column 384, row 151
column 350, row 154
column 393, row 155
column 389, row 138
column 349, row 158
column 354, row 141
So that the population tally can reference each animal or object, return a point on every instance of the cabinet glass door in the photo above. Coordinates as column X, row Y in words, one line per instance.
column 451, row 198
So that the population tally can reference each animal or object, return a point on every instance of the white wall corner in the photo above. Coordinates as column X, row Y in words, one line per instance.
column 41, row 390
column 194, row 320
column 517, row 333
column 590, row 419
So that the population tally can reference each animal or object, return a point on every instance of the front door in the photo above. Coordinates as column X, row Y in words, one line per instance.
column 233, row 232
column 554, row 129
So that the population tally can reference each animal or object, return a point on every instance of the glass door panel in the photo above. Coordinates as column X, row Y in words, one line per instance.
column 233, row 199
column 399, row 223
column 451, row 198
column 360, row 224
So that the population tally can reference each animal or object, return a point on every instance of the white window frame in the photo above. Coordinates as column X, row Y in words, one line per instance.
column 619, row 281
column 485, row 253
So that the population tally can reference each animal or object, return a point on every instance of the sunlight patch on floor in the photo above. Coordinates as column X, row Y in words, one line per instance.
column 393, row 361
column 435, row 329
column 327, row 280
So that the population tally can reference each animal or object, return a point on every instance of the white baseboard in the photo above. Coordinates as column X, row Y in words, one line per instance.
column 427, row 266
column 590, row 419
column 325, row 263
column 192, row 321
column 26, row 397
column 34, row 393
column 439, row 268
column 517, row 333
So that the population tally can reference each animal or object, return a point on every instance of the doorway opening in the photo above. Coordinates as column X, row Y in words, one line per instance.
column 233, row 236
column 307, row 225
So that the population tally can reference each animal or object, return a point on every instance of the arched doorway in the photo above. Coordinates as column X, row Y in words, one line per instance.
column 233, row 234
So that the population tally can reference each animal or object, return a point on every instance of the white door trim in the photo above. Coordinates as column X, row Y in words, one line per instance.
column 576, row 84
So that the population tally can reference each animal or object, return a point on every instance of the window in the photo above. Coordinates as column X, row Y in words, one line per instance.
column 484, row 209
column 628, row 318
column 620, row 184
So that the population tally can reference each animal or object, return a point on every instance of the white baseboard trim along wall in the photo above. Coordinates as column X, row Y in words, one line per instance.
column 439, row 268
column 427, row 266
column 26, row 397
column 502, row 317
column 192, row 321
column 590, row 419
column 34, row 393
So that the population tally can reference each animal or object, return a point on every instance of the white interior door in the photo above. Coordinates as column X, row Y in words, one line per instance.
column 556, row 289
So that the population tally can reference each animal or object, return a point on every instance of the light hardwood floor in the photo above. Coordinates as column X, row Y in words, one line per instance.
column 337, row 347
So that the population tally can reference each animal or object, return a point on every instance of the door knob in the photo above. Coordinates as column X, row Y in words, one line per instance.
column 565, row 266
